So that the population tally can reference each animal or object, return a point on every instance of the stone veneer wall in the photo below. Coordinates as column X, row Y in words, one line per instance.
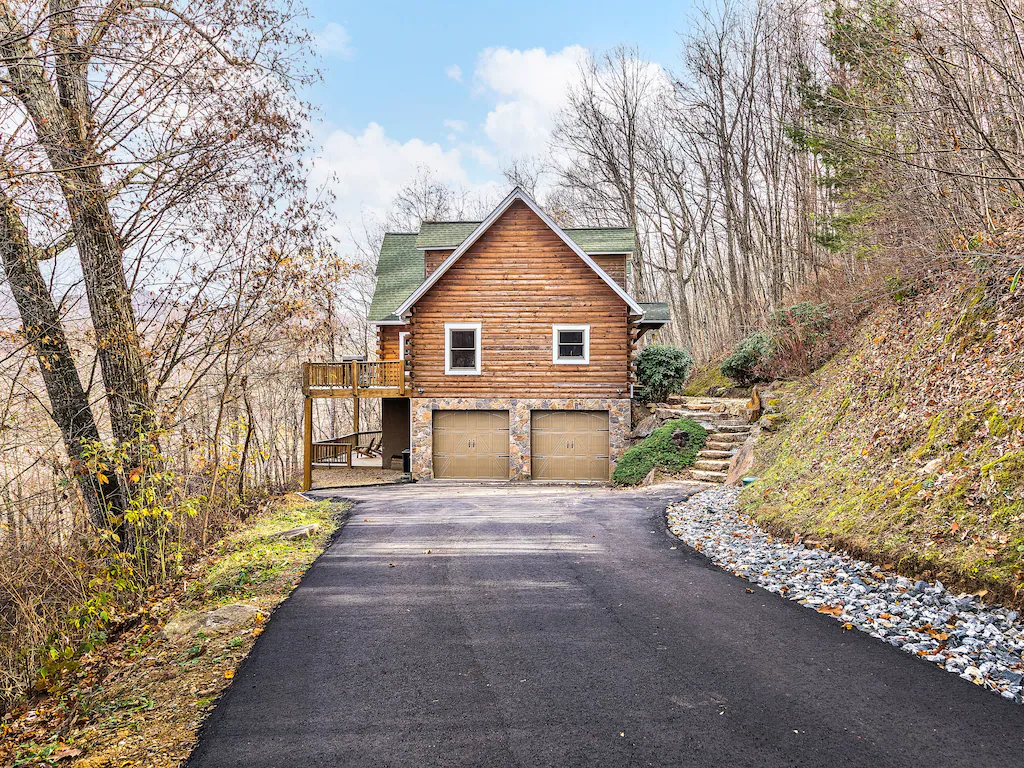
column 518, row 425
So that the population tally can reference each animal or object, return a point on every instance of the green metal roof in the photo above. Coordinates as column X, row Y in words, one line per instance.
column 655, row 312
column 444, row 234
column 399, row 273
column 450, row 234
column 604, row 239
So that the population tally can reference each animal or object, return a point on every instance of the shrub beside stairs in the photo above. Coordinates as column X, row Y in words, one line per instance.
column 727, row 426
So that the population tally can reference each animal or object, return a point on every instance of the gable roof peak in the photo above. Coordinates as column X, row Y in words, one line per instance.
column 517, row 193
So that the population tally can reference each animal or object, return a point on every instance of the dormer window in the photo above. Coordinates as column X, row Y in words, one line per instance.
column 570, row 344
column 462, row 349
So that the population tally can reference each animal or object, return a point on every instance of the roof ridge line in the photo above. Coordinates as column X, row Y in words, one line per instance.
column 617, row 226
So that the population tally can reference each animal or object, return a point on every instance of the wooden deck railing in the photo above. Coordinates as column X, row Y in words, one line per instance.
column 338, row 450
column 332, row 453
column 356, row 376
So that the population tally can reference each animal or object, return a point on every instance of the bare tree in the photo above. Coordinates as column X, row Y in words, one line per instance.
column 127, row 121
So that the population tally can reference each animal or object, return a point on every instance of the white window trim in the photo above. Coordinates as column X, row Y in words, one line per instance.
column 585, row 360
column 402, row 335
column 448, row 328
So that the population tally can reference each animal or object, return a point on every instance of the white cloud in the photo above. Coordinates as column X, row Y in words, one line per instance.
column 455, row 125
column 334, row 40
column 366, row 171
column 531, row 87
column 454, row 72
column 482, row 156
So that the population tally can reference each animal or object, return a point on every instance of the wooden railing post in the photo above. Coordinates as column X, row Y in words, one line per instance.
column 307, row 444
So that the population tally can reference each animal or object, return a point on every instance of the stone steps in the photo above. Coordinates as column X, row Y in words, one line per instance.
column 727, row 425
column 706, row 476
column 712, row 465
column 736, row 428
column 714, row 453
column 721, row 442
column 685, row 413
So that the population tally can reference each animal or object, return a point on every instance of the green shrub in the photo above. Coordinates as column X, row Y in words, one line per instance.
column 742, row 365
column 660, row 371
column 660, row 451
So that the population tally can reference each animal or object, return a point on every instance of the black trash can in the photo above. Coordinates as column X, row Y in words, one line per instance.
column 407, row 461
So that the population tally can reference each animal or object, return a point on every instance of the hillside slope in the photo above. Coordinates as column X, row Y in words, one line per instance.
column 908, row 447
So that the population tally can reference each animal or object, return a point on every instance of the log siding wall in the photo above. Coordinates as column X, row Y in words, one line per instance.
column 387, row 341
column 518, row 280
column 432, row 260
column 614, row 265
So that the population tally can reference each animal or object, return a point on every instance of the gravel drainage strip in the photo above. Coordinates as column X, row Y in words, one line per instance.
column 981, row 643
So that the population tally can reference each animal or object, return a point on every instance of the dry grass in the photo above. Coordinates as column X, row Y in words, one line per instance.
column 139, row 699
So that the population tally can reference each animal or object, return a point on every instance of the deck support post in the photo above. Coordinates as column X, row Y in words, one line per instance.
column 355, row 399
column 307, row 444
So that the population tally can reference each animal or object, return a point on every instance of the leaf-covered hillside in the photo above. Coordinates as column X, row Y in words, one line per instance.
column 909, row 447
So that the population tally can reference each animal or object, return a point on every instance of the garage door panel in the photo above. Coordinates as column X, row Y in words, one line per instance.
column 569, row 445
column 470, row 445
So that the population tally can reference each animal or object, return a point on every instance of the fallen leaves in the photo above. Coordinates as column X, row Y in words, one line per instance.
column 64, row 752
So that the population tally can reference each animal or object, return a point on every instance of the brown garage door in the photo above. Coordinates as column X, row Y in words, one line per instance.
column 569, row 445
column 471, row 445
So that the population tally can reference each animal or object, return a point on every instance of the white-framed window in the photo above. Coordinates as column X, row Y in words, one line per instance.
column 570, row 344
column 462, row 349
column 402, row 336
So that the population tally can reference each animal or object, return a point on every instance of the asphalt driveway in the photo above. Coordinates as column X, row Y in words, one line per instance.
column 564, row 627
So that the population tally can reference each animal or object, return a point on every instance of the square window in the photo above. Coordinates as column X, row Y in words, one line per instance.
column 571, row 344
column 462, row 348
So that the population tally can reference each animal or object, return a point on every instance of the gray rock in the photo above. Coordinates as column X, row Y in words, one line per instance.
column 299, row 532
column 223, row 619
column 985, row 643
column 740, row 463
column 645, row 427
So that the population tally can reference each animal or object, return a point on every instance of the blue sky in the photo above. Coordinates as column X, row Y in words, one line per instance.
column 459, row 88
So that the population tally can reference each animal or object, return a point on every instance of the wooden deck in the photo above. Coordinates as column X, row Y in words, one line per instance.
column 384, row 378
column 357, row 379
column 348, row 450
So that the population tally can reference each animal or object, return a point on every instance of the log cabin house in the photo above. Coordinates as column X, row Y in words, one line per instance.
column 506, row 348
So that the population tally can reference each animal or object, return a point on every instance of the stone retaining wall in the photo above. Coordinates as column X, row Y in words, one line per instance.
column 518, row 423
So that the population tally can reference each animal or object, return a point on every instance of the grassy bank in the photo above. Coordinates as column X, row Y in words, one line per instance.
column 139, row 698
column 908, row 448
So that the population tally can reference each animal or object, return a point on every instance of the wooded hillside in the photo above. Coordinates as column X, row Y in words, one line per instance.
column 908, row 447
column 168, row 267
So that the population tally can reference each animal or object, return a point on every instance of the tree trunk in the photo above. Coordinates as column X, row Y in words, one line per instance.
column 61, row 118
column 43, row 329
column 110, row 304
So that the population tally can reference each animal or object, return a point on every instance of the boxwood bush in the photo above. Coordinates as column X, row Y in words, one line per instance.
column 659, row 450
column 660, row 371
